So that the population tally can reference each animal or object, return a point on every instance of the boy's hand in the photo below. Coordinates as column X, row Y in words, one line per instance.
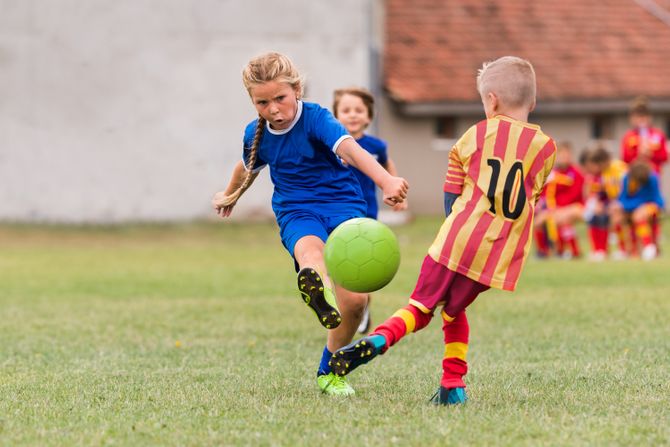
column 400, row 206
column 218, row 203
column 394, row 190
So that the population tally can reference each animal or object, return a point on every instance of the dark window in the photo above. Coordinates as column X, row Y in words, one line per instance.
column 445, row 127
column 602, row 127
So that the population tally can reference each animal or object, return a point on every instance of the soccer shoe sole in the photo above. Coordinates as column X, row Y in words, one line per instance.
column 312, row 291
column 352, row 356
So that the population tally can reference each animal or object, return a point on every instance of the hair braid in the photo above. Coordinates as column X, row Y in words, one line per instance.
column 253, row 155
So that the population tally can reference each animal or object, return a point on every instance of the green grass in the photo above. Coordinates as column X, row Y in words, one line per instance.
column 91, row 320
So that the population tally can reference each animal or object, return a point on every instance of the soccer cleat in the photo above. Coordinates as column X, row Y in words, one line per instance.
column 366, row 322
column 334, row 385
column 449, row 396
column 319, row 298
column 356, row 353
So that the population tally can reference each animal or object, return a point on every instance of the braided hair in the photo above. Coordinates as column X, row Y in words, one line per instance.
column 232, row 198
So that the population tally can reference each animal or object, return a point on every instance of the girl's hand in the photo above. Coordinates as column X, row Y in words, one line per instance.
column 218, row 204
column 395, row 190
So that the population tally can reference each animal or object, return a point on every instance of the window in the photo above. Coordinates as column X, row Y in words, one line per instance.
column 602, row 127
column 445, row 127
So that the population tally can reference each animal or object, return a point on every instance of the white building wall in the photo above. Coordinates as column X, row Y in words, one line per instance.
column 134, row 109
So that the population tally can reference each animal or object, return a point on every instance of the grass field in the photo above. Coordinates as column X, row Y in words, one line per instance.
column 195, row 335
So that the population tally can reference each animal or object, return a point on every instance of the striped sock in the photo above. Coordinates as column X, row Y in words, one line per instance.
column 456, row 336
column 405, row 320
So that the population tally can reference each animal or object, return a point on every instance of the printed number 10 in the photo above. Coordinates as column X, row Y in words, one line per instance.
column 507, row 191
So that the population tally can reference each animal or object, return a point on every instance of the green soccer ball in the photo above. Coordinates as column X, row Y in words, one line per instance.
column 362, row 255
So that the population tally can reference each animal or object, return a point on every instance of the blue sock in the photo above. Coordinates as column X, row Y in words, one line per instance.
column 324, row 368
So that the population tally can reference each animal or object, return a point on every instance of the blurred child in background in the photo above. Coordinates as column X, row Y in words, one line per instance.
column 601, row 210
column 643, row 142
column 354, row 108
column 561, row 206
column 646, row 144
column 642, row 204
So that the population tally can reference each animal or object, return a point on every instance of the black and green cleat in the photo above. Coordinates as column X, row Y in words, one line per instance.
column 319, row 298
column 356, row 353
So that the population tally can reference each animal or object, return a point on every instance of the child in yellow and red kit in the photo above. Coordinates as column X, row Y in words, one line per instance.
column 602, row 211
column 561, row 206
column 496, row 172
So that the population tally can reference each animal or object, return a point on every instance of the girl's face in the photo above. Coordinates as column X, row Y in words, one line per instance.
column 277, row 102
column 353, row 114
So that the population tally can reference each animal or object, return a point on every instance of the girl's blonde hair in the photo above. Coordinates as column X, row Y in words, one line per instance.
column 267, row 67
column 270, row 67
column 511, row 78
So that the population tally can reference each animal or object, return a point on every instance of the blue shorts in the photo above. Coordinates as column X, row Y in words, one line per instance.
column 295, row 225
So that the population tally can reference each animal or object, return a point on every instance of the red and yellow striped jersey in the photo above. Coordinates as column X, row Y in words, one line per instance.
column 499, row 167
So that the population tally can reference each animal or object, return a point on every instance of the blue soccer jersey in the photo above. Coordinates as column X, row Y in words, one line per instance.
column 377, row 148
column 305, row 171
column 633, row 197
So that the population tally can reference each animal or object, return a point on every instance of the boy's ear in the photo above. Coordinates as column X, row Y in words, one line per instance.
column 493, row 101
column 532, row 106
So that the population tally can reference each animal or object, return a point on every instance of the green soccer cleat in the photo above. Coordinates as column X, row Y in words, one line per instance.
column 449, row 396
column 356, row 353
column 334, row 385
column 319, row 298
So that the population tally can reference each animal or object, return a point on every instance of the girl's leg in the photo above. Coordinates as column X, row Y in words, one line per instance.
column 313, row 282
column 308, row 252
column 352, row 305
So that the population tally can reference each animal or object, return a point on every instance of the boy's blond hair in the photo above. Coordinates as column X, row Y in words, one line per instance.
column 511, row 79
column 270, row 67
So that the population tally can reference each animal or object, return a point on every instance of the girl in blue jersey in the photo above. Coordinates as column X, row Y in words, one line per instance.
column 305, row 147
column 354, row 108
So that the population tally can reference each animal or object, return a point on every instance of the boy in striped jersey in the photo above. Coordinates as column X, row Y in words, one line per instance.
column 496, row 173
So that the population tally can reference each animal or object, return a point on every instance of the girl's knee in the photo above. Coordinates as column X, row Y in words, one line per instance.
column 355, row 302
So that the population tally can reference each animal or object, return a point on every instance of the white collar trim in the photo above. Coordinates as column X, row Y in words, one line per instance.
column 298, row 113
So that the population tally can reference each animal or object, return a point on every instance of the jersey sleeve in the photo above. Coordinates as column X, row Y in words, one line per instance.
column 455, row 178
column 247, row 142
column 324, row 127
column 543, row 175
column 660, row 155
column 383, row 153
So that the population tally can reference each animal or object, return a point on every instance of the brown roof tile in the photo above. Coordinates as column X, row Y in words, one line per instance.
column 580, row 49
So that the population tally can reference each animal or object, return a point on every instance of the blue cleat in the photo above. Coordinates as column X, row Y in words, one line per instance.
column 449, row 396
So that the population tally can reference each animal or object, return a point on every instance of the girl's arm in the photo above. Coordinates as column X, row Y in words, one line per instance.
column 222, row 203
column 394, row 188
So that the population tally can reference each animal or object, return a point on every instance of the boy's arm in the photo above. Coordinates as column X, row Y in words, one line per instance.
column 454, row 180
column 237, row 179
column 394, row 188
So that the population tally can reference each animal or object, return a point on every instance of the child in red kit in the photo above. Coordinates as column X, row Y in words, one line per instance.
column 562, row 206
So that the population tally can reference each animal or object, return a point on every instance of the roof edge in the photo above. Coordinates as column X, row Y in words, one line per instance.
column 607, row 106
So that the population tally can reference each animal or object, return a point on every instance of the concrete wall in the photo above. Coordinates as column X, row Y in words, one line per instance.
column 423, row 160
column 134, row 109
